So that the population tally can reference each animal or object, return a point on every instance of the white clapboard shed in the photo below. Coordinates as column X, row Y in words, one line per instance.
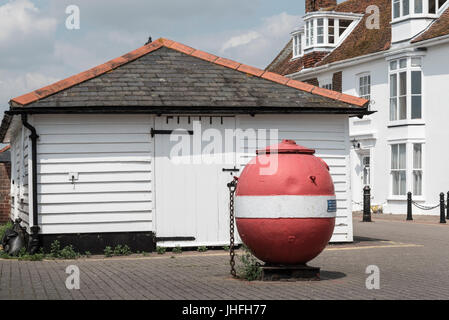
column 93, row 160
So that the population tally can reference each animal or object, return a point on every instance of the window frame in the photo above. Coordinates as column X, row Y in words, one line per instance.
column 408, row 98
column 359, row 77
column 419, row 169
column 398, row 170
column 297, row 45
column 410, row 168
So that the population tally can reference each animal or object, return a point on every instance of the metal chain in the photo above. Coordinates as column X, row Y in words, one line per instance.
column 232, row 186
column 422, row 207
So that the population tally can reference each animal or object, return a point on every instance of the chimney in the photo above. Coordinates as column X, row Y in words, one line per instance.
column 316, row 5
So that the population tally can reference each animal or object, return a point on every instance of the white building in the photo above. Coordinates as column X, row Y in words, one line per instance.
column 92, row 158
column 395, row 53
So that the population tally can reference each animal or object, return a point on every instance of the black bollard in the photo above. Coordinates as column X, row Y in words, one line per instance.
column 367, row 204
column 447, row 206
column 442, row 215
column 409, row 207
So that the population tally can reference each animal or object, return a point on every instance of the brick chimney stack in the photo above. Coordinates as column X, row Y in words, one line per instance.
column 316, row 5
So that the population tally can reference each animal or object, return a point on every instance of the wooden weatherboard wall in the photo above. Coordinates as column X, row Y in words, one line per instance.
column 111, row 160
column 20, row 179
column 110, row 157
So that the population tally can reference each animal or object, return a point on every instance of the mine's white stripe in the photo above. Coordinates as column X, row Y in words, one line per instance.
column 283, row 207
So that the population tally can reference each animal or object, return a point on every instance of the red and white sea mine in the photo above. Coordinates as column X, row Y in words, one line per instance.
column 288, row 217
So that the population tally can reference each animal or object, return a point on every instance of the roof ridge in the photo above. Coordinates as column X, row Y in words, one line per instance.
column 163, row 42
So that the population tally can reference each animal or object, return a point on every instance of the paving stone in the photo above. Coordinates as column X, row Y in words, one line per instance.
column 411, row 257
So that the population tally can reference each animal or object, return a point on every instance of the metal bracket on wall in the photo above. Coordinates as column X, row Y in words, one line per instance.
column 154, row 132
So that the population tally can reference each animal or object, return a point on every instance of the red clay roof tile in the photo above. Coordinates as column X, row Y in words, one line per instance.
column 204, row 55
column 227, row 63
column 111, row 65
column 300, row 85
column 275, row 77
column 5, row 148
column 181, row 48
column 250, row 70
column 326, row 93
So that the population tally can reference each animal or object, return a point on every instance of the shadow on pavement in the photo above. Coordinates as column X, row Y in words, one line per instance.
column 366, row 239
column 331, row 275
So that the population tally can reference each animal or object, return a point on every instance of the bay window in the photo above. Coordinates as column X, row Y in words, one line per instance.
column 405, row 89
column 407, row 169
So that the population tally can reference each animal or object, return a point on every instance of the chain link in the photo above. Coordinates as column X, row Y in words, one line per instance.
column 232, row 186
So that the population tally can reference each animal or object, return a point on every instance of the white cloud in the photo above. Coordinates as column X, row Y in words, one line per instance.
column 240, row 40
column 261, row 44
column 13, row 85
column 22, row 18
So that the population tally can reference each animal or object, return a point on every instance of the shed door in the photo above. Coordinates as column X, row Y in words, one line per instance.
column 191, row 197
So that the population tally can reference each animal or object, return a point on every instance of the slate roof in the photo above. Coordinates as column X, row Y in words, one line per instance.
column 362, row 41
column 168, row 74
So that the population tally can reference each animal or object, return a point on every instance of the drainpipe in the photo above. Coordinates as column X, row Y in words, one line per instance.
column 34, row 243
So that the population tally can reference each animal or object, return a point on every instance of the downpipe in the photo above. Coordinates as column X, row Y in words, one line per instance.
column 34, row 241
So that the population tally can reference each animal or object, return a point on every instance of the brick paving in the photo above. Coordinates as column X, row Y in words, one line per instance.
column 412, row 257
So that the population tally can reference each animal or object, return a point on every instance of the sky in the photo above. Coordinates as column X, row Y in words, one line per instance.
column 36, row 48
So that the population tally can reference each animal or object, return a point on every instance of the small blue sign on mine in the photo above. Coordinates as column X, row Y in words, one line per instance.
column 331, row 205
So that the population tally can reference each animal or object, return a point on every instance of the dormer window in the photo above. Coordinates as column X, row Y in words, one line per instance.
column 403, row 8
column 323, row 30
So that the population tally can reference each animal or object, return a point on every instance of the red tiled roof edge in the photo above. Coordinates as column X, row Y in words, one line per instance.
column 5, row 148
column 162, row 42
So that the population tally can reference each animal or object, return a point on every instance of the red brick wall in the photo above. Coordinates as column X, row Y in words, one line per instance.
column 313, row 82
column 315, row 5
column 5, row 187
column 337, row 80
